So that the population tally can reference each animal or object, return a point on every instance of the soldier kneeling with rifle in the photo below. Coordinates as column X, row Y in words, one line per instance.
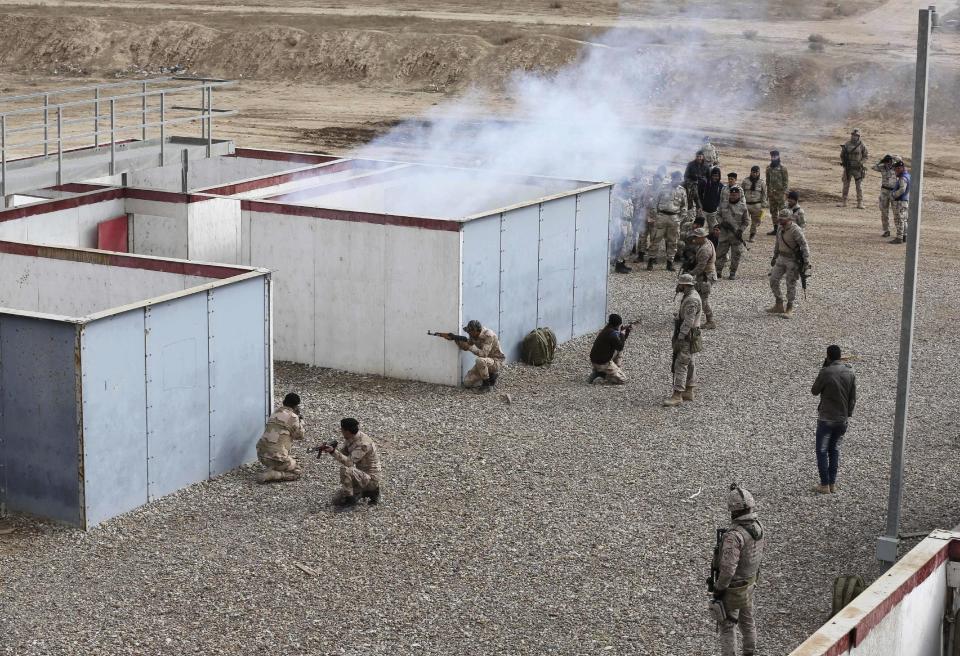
column 734, row 572
column 483, row 343
column 360, row 470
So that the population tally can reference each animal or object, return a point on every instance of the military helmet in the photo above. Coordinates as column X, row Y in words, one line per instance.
column 473, row 325
column 736, row 188
column 699, row 232
column 685, row 279
column 739, row 499
column 785, row 214
column 855, row 131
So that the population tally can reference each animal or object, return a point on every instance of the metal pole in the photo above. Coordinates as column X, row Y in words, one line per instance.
column 59, row 145
column 143, row 111
column 203, row 110
column 96, row 117
column 888, row 543
column 46, row 124
column 163, row 132
column 113, row 138
column 185, row 170
column 209, row 121
column 3, row 155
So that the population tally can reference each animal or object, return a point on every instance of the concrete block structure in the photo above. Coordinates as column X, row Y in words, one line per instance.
column 125, row 378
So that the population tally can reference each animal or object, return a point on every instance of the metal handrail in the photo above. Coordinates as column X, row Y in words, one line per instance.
column 110, row 85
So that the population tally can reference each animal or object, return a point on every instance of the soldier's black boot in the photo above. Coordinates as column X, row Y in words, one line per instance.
column 733, row 274
column 344, row 501
column 670, row 266
column 372, row 496
column 594, row 375
column 622, row 267
column 774, row 231
column 650, row 263
column 492, row 379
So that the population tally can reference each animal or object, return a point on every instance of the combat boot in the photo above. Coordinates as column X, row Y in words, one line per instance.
column 650, row 263
column 710, row 324
column 897, row 240
column 372, row 496
column 344, row 501
column 670, row 266
column 789, row 311
column 675, row 399
column 622, row 267
column 842, row 203
column 821, row 489
column 594, row 376
column 733, row 274
column 777, row 308
column 886, row 233
column 834, row 488
column 687, row 394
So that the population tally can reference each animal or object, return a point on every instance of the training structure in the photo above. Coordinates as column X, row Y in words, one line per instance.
column 125, row 378
column 366, row 255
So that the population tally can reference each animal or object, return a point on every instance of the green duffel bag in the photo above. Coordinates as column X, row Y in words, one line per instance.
column 845, row 590
column 538, row 347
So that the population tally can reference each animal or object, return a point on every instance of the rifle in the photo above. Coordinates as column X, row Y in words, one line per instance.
column 453, row 337
column 844, row 156
column 715, row 563
column 803, row 272
column 729, row 228
column 320, row 450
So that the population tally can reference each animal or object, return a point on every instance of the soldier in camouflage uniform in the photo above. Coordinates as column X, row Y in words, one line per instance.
column 755, row 196
column 741, row 552
column 671, row 207
column 778, row 181
column 360, row 469
column 645, row 213
column 734, row 220
column 900, row 196
column 704, row 272
column 853, row 157
column 693, row 178
column 686, row 342
column 623, row 241
column 887, row 184
column 731, row 183
column 793, row 204
column 711, row 156
column 791, row 257
column 273, row 448
column 484, row 344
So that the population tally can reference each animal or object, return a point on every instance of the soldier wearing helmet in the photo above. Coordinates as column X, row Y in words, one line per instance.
column 740, row 553
column 484, row 344
column 734, row 220
column 888, row 183
column 686, row 341
column 671, row 207
column 704, row 272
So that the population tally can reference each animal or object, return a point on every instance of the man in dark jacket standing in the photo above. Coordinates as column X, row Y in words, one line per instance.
column 693, row 178
column 606, row 351
column 836, row 385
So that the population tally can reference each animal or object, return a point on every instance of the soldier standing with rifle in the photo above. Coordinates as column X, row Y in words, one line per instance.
column 734, row 220
column 887, row 184
column 734, row 573
column 755, row 195
column 791, row 258
column 687, row 342
column 704, row 272
column 853, row 155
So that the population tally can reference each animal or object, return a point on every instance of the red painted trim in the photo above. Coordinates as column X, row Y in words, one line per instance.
column 78, row 187
column 60, row 204
column 840, row 647
column 120, row 260
column 875, row 616
column 164, row 196
column 345, row 215
column 344, row 185
column 954, row 549
column 280, row 178
column 279, row 156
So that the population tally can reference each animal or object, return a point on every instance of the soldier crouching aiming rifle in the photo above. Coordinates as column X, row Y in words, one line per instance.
column 734, row 572
column 360, row 469
column 483, row 343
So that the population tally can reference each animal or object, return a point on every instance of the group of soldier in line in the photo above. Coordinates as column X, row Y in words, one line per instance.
column 713, row 218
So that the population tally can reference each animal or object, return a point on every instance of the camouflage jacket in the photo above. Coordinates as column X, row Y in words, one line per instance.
column 888, row 173
column 691, row 308
column 486, row 345
column 361, row 452
column 706, row 268
column 790, row 242
column 778, row 180
column 757, row 194
column 283, row 426
column 740, row 552
column 735, row 216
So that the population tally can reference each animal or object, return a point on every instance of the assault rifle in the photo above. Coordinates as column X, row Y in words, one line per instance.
column 804, row 265
column 453, row 337
column 715, row 563
column 729, row 228
column 330, row 446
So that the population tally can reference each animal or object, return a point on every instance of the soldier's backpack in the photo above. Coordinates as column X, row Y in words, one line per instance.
column 845, row 590
column 538, row 347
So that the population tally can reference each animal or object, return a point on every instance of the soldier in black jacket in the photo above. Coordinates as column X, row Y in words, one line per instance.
column 694, row 178
column 607, row 350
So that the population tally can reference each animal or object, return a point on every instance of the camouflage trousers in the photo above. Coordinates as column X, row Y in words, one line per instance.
column 280, row 466
column 785, row 268
column 711, row 219
column 777, row 200
column 703, row 287
column 641, row 237
column 730, row 246
column 756, row 218
column 481, row 371
column 613, row 374
column 666, row 230
column 626, row 230
column 355, row 481
column 901, row 217
column 847, row 177
column 693, row 195
column 684, row 368
column 886, row 203
column 748, row 628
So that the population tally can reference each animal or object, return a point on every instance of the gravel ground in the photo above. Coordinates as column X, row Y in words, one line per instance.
column 565, row 522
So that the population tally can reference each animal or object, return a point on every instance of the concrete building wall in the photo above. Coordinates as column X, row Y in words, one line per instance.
column 64, row 287
column 213, row 231
column 75, row 226
column 206, row 172
column 39, row 436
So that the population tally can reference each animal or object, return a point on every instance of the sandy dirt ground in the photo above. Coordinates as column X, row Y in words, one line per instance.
column 340, row 103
